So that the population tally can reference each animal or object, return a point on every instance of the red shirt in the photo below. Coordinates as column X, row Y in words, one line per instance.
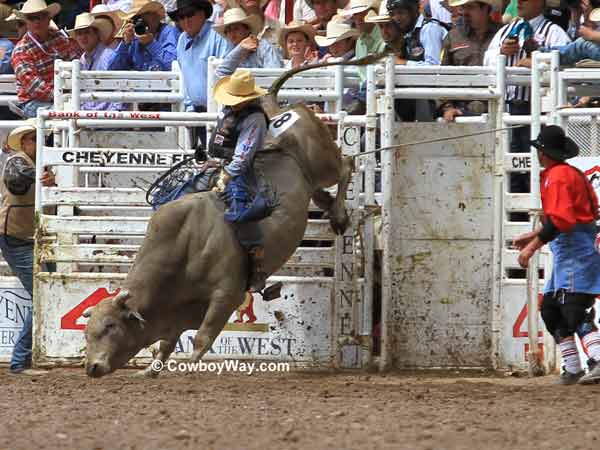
column 34, row 64
column 568, row 197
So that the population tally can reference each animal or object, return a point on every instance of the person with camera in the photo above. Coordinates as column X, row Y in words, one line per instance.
column 148, row 43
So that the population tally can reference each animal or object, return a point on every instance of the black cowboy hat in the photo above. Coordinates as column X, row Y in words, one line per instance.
column 203, row 5
column 553, row 142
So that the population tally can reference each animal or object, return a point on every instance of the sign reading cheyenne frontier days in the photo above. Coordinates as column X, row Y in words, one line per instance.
column 15, row 303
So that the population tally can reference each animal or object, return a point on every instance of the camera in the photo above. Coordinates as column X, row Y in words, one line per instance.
column 139, row 26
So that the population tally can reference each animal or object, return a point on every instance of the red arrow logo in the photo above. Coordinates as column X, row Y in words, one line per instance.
column 69, row 320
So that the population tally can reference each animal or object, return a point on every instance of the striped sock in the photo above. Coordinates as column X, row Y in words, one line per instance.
column 570, row 355
column 591, row 342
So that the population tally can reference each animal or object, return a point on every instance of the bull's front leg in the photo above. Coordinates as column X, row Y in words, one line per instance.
column 338, row 216
column 220, row 309
column 160, row 352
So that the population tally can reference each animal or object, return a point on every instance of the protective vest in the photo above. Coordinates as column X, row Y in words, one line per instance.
column 16, row 211
column 414, row 48
column 229, row 126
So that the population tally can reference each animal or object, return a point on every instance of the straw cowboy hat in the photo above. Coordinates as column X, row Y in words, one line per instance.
column 14, row 137
column 293, row 26
column 237, row 88
column 38, row 6
column 16, row 16
column 336, row 31
column 238, row 15
column 115, row 16
column 495, row 4
column 382, row 17
column 144, row 6
column 595, row 15
column 358, row 6
column 87, row 20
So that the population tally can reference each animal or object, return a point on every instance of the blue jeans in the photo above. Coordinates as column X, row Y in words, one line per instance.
column 19, row 256
column 578, row 50
column 30, row 108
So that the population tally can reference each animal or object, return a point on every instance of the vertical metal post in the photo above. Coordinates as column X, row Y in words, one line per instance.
column 338, row 87
column 387, row 164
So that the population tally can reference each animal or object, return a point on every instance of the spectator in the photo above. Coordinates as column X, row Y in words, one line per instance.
column 16, row 237
column 153, row 46
column 393, row 39
column 8, row 28
column 439, row 11
column 197, row 43
column 34, row 55
column 466, row 46
column 339, row 41
column 324, row 12
column 249, row 52
column 116, row 22
column 285, row 11
column 6, row 45
column 269, row 28
column 90, row 33
column 298, row 43
column 119, row 5
column 20, row 25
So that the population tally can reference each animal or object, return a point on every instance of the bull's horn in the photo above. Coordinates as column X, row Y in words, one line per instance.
column 87, row 312
column 120, row 298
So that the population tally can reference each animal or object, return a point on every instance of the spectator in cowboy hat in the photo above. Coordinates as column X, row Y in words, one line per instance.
column 394, row 40
column 268, row 28
column 90, row 32
column 324, row 11
column 197, row 42
column 339, row 41
column 241, row 29
column 101, row 12
column 34, row 55
column 8, row 29
column 297, row 41
column 16, row 235
column 153, row 46
column 19, row 24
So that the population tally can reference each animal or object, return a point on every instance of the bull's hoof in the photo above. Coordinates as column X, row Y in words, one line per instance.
column 339, row 226
column 146, row 373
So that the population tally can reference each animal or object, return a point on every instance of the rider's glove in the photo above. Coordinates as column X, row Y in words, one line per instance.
column 224, row 178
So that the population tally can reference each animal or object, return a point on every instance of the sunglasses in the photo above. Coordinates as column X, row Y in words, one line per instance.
column 35, row 17
column 186, row 13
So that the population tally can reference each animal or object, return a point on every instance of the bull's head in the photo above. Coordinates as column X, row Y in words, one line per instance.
column 114, row 334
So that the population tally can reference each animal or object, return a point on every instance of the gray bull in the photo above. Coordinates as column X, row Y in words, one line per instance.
column 191, row 272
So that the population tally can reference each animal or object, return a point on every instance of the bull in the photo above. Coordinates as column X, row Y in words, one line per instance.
column 191, row 272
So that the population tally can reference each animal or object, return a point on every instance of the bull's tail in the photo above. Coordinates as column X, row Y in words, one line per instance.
column 278, row 83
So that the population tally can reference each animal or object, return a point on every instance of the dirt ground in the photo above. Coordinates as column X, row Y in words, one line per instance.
column 298, row 410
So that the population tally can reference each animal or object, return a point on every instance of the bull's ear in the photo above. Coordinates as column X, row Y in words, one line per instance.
column 87, row 312
column 119, row 299
column 136, row 315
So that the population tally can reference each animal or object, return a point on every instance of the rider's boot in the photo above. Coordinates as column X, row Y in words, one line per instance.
column 258, row 277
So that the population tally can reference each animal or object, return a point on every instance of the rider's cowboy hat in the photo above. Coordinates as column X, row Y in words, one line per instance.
column 382, row 17
column 238, row 15
column 87, row 20
column 14, row 137
column 144, row 6
column 116, row 16
column 202, row 5
column 336, row 31
column 358, row 6
column 292, row 27
column 38, row 6
column 237, row 88
column 553, row 142
column 495, row 4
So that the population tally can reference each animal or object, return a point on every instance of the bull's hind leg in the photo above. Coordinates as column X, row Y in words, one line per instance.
column 160, row 352
column 220, row 309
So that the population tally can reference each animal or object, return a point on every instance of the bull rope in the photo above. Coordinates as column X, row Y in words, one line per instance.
column 431, row 141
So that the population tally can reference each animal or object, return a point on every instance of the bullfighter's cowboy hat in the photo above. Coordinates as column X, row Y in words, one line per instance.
column 336, row 31
column 382, row 17
column 238, row 15
column 553, row 142
column 38, row 6
column 238, row 88
column 14, row 137
column 183, row 5
column 292, row 27
column 87, row 20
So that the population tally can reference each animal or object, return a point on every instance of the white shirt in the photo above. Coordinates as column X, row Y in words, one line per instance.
column 301, row 11
column 439, row 12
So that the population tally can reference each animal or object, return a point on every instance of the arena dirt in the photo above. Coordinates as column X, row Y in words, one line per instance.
column 67, row 410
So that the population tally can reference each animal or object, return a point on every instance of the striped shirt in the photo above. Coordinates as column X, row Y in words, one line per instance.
column 545, row 34
column 33, row 62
